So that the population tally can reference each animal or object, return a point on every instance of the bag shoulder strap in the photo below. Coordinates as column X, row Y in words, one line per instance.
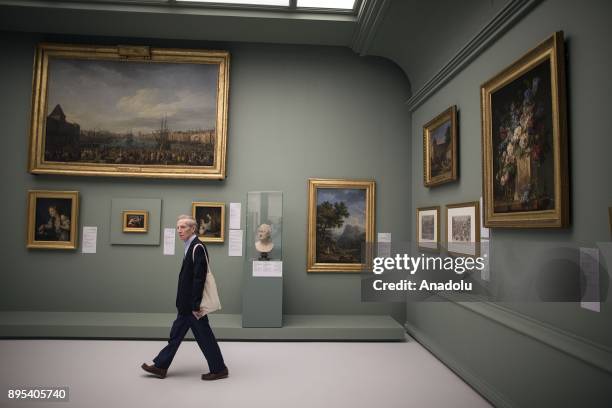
column 205, row 254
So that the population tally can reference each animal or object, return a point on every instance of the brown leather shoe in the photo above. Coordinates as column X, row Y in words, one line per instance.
column 216, row 376
column 156, row 371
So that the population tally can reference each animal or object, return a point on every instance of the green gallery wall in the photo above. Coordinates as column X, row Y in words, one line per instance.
column 312, row 111
column 530, row 354
column 294, row 112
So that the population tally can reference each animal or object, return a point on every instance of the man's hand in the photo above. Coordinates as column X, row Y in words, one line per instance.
column 198, row 314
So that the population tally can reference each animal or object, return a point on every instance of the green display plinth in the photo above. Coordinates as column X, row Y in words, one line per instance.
column 262, row 295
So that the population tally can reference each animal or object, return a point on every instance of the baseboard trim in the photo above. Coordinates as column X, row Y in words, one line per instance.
column 571, row 344
column 507, row 17
column 99, row 325
column 475, row 381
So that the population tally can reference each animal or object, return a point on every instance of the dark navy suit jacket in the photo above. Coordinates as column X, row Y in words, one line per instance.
column 191, row 279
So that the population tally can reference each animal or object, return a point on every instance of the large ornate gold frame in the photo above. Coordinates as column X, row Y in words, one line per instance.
column 552, row 49
column 46, row 52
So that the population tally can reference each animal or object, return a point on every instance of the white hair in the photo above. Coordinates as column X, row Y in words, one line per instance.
column 189, row 220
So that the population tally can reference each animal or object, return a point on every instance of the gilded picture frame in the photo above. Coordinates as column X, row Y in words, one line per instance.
column 135, row 221
column 53, row 219
column 340, row 224
column 210, row 217
column 524, row 141
column 463, row 229
column 428, row 228
column 129, row 111
column 440, row 148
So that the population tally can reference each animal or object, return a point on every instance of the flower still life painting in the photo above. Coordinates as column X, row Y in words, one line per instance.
column 524, row 142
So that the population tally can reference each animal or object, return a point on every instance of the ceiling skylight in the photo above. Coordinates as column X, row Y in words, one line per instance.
column 340, row 5
column 327, row 4
column 247, row 2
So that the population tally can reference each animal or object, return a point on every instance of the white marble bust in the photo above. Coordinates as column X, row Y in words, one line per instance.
column 264, row 235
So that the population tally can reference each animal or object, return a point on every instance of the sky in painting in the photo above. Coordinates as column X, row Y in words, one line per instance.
column 438, row 133
column 354, row 200
column 133, row 96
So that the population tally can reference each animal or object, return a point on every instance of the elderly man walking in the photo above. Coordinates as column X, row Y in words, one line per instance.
column 188, row 299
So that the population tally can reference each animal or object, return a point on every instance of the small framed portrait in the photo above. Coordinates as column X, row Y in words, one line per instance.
column 524, row 141
column 463, row 228
column 428, row 228
column 135, row 221
column 52, row 219
column 210, row 218
column 440, row 148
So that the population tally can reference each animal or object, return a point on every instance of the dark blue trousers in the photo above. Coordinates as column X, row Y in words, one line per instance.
column 203, row 335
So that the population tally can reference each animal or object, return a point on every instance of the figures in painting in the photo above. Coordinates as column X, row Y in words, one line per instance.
column 56, row 227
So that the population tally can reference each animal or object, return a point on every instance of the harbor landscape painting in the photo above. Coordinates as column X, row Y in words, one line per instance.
column 117, row 117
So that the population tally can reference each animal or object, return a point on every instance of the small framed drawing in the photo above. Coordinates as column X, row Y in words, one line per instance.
column 428, row 228
column 135, row 221
column 524, row 141
column 52, row 219
column 463, row 228
column 440, row 148
column 210, row 217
